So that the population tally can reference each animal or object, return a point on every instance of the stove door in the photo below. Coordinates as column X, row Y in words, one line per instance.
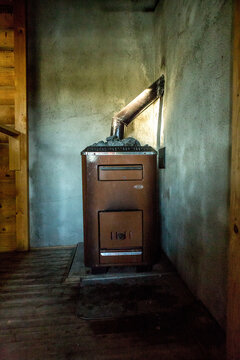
column 120, row 172
column 120, row 229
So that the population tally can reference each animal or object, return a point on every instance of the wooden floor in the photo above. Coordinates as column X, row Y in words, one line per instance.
column 38, row 319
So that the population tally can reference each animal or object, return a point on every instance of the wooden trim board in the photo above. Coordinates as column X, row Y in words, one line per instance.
column 233, row 311
column 22, row 223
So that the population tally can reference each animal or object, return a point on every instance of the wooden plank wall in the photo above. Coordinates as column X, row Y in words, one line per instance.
column 233, row 313
column 13, row 184
column 21, row 124
column 7, row 117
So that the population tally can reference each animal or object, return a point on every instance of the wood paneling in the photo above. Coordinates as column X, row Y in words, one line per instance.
column 8, row 242
column 13, row 147
column 7, row 202
column 6, row 174
column 7, row 58
column 7, row 95
column 6, row 39
column 7, row 115
column 15, row 153
column 3, row 138
column 7, row 208
column 233, row 313
column 8, row 226
column 7, row 190
column 22, row 230
column 4, row 155
column 6, row 118
column 6, row 18
column 7, row 77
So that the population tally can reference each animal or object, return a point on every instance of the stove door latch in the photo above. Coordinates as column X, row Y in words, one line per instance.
column 121, row 235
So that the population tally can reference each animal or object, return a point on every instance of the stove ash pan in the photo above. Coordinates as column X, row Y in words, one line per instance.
column 119, row 205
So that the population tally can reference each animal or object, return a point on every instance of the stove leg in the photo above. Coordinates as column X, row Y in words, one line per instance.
column 99, row 270
column 144, row 268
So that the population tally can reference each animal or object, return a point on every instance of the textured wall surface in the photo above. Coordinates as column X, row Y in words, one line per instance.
column 86, row 60
column 193, row 47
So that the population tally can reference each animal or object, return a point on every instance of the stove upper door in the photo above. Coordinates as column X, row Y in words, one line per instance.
column 120, row 172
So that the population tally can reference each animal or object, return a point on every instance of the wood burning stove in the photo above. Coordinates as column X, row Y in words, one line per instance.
column 119, row 195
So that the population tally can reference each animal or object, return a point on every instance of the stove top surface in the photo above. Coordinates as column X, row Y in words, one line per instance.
column 144, row 150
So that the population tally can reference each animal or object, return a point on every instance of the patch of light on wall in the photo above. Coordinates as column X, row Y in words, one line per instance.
column 156, row 127
column 162, row 142
column 159, row 123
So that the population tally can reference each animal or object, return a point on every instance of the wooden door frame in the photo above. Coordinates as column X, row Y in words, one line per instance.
column 233, row 308
column 21, row 124
column 14, row 94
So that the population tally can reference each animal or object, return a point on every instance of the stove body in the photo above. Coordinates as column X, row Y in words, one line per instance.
column 119, row 205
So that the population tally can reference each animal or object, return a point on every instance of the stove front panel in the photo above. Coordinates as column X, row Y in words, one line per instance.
column 114, row 184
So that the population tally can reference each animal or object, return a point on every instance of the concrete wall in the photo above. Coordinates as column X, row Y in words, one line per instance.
column 86, row 59
column 193, row 47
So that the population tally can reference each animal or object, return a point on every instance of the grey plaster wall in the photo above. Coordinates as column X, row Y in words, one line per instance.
column 193, row 50
column 86, row 59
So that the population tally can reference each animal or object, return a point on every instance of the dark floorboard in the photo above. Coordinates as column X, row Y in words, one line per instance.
column 38, row 318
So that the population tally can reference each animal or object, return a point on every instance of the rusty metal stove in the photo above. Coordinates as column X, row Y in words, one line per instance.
column 119, row 202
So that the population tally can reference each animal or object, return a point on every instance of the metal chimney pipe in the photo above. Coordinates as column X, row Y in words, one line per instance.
column 136, row 106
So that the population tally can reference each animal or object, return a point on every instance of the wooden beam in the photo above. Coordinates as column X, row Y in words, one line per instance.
column 233, row 311
column 22, row 227
column 9, row 131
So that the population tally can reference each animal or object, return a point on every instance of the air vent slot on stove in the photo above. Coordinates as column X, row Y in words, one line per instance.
column 120, row 172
